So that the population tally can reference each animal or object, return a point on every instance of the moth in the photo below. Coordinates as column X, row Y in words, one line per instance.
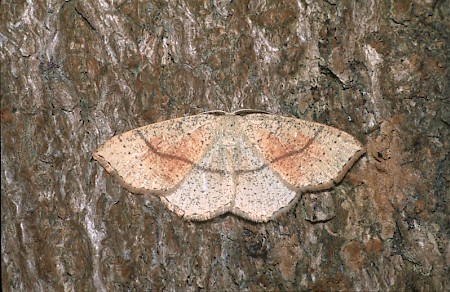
column 250, row 163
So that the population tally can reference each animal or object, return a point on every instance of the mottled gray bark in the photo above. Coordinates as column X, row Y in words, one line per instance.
column 74, row 73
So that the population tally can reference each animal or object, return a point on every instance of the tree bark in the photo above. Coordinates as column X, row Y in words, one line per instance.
column 75, row 73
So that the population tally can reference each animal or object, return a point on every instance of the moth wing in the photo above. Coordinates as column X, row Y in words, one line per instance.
column 306, row 155
column 155, row 158
column 208, row 190
column 260, row 193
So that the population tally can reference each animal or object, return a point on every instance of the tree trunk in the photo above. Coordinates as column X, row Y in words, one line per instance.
column 75, row 73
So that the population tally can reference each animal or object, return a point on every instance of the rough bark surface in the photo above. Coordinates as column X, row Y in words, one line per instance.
column 74, row 73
